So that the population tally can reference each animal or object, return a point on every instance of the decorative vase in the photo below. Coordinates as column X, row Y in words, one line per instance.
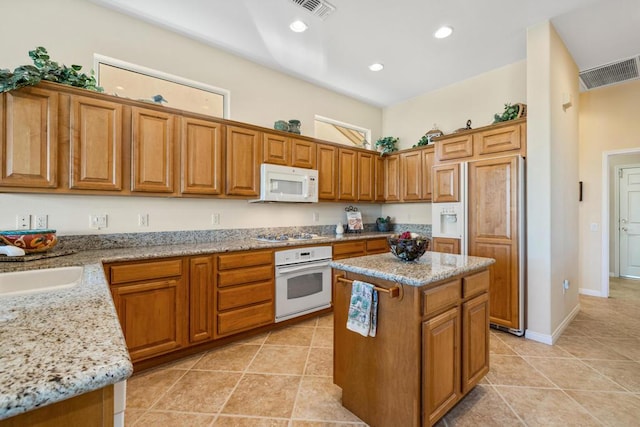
column 294, row 126
column 281, row 125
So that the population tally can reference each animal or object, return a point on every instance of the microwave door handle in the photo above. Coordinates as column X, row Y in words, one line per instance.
column 284, row 270
column 305, row 187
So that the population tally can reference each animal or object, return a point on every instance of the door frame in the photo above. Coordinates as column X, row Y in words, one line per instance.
column 604, row 278
column 616, row 213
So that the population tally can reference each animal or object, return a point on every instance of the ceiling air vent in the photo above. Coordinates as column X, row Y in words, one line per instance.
column 609, row 74
column 319, row 8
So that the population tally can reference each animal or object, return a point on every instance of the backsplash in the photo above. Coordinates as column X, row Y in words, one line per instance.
column 127, row 240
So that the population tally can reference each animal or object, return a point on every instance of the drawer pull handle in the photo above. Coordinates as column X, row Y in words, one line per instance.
column 393, row 292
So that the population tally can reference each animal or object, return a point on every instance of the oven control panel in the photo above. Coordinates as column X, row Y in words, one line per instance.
column 295, row 256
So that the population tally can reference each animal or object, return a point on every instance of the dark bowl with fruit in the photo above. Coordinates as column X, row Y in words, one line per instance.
column 408, row 246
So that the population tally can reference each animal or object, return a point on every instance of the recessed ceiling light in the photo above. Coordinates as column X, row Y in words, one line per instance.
column 443, row 32
column 376, row 67
column 298, row 26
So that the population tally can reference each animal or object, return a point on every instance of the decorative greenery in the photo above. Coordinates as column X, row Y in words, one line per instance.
column 388, row 144
column 45, row 69
column 383, row 220
column 510, row 113
column 425, row 140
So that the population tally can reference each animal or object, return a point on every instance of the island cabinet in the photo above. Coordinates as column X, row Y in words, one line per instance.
column 432, row 342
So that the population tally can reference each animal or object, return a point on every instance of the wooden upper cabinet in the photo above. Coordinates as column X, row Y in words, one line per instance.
column 446, row 183
column 244, row 148
column 411, row 175
column 498, row 140
column 347, row 174
column 201, row 157
column 427, row 174
column 392, row 173
column 455, row 147
column 29, row 138
column 153, row 151
column 366, row 177
column 303, row 154
column 276, row 149
column 96, row 144
column 327, row 172
column 380, row 177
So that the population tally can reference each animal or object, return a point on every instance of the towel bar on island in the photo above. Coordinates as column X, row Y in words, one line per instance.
column 393, row 292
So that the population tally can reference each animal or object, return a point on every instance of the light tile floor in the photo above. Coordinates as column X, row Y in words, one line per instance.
column 591, row 377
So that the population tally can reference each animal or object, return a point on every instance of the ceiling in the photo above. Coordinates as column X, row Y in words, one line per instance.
column 335, row 52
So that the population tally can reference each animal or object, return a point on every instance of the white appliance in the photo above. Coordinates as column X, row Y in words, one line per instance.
column 452, row 220
column 287, row 184
column 303, row 281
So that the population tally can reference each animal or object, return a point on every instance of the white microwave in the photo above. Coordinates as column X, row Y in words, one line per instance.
column 287, row 184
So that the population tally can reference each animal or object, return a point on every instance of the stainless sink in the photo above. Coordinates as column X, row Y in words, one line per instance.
column 32, row 281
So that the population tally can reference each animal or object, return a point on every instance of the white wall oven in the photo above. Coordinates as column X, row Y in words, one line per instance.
column 303, row 281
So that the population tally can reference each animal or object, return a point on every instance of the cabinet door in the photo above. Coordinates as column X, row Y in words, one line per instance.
column 441, row 365
column 366, row 177
column 446, row 183
column 445, row 245
column 303, row 154
column 201, row 171
column 152, row 315
column 380, row 178
column 411, row 175
column 427, row 181
column 153, row 151
column 475, row 341
column 275, row 149
column 499, row 140
column 96, row 144
column 392, row 173
column 29, row 138
column 493, row 232
column 243, row 161
column 201, row 298
column 347, row 174
column 327, row 172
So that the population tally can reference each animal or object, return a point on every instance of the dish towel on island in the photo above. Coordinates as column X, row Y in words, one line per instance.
column 363, row 309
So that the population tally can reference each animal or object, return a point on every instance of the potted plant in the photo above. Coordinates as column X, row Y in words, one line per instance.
column 383, row 224
column 511, row 112
column 387, row 144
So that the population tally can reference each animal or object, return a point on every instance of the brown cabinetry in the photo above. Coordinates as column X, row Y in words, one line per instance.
column 327, row 172
column 347, row 174
column 201, row 298
column 354, row 248
column 366, row 177
column 245, row 291
column 427, row 174
column 153, row 146
column 381, row 180
column 150, row 298
column 275, row 149
column 392, row 174
column 29, row 138
column 244, row 148
column 96, row 144
column 303, row 154
column 446, row 183
column 456, row 147
column 411, row 176
column 201, row 157
column 446, row 245
column 377, row 246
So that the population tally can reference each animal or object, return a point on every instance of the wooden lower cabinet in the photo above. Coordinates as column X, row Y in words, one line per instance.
column 445, row 245
column 201, row 298
column 354, row 248
column 475, row 339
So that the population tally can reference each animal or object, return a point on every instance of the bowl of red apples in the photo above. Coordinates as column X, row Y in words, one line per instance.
column 408, row 246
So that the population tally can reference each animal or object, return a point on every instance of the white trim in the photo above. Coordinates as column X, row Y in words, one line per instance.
column 226, row 94
column 616, row 218
column 589, row 292
column 536, row 336
column 367, row 132
column 553, row 338
column 604, row 274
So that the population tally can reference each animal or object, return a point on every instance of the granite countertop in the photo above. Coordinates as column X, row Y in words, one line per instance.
column 56, row 345
column 431, row 267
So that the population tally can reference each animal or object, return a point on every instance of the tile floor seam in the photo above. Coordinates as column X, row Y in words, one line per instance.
column 147, row 410
column 602, row 374
column 584, row 407
column 304, row 370
column 495, row 389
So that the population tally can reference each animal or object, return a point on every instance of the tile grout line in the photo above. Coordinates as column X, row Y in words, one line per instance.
column 304, row 370
column 147, row 410
column 495, row 389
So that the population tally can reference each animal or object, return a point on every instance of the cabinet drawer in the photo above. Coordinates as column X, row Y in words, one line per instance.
column 245, row 318
column 145, row 271
column 347, row 249
column 244, row 259
column 377, row 246
column 245, row 275
column 239, row 296
column 499, row 140
column 443, row 296
column 455, row 148
column 476, row 284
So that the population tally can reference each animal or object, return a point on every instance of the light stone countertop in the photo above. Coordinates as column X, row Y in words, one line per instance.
column 430, row 268
column 59, row 344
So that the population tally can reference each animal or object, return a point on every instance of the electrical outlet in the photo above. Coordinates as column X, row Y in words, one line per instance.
column 565, row 286
column 316, row 216
column 23, row 221
column 215, row 218
column 143, row 220
column 98, row 222
column 41, row 221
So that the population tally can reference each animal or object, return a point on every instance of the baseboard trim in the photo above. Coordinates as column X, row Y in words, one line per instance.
column 590, row 292
column 537, row 336
column 551, row 339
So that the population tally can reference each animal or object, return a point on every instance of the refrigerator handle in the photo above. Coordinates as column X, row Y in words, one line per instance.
column 464, row 200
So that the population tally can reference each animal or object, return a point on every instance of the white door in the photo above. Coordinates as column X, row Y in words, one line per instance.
column 630, row 222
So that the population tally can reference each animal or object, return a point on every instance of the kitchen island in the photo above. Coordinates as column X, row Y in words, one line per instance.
column 432, row 341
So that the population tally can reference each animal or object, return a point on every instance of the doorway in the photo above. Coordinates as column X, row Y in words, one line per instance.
column 628, row 218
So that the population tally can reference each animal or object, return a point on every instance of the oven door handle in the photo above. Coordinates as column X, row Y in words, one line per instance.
column 285, row 270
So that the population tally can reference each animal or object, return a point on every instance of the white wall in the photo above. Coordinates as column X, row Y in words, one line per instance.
column 478, row 99
column 552, row 184
column 73, row 30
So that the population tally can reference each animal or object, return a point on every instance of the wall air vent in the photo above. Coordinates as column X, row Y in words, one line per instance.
column 320, row 8
column 616, row 72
